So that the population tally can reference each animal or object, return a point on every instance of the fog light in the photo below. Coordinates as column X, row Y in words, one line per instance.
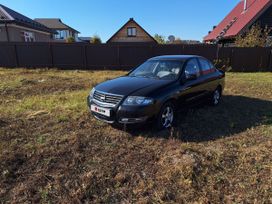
column 133, row 120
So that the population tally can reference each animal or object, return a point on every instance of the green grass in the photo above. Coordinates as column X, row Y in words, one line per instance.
column 52, row 150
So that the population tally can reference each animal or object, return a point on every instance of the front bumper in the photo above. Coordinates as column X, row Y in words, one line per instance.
column 125, row 114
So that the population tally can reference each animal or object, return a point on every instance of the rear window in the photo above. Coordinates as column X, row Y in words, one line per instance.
column 206, row 66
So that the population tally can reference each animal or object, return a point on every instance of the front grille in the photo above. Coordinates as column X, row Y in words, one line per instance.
column 107, row 98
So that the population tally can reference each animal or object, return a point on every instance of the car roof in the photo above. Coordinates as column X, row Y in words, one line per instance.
column 174, row 57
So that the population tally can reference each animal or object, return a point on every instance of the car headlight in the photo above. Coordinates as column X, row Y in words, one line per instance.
column 92, row 93
column 138, row 100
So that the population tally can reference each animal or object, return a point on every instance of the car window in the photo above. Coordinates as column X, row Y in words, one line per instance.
column 159, row 69
column 192, row 68
column 206, row 66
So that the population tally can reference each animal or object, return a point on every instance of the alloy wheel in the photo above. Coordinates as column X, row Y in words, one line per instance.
column 216, row 97
column 167, row 117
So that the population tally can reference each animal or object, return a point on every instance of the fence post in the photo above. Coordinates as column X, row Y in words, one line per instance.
column 217, row 52
column 118, row 56
column 270, row 61
column 231, row 58
column 51, row 55
column 85, row 56
column 16, row 56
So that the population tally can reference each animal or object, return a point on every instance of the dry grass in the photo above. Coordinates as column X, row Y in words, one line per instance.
column 52, row 150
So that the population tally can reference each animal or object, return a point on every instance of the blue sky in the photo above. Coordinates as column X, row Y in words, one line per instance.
column 190, row 19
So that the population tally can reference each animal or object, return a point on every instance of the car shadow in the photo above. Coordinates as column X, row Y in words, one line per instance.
column 234, row 115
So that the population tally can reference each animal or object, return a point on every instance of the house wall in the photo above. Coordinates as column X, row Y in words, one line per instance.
column 3, row 36
column 266, row 18
column 121, row 36
column 15, row 34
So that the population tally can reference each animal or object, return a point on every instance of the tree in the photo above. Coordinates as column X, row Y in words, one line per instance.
column 96, row 40
column 254, row 37
column 70, row 39
column 160, row 39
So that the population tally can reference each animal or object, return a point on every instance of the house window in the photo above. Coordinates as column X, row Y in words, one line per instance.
column 62, row 34
column 29, row 36
column 131, row 32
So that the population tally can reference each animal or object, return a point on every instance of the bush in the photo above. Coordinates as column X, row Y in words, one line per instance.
column 96, row 40
column 160, row 39
column 70, row 39
column 223, row 64
column 254, row 37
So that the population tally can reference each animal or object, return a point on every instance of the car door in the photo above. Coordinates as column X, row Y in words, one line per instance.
column 191, row 88
column 208, row 74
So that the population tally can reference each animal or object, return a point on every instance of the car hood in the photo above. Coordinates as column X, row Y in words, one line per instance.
column 128, row 85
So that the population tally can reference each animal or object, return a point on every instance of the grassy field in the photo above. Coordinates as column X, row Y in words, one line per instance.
column 52, row 150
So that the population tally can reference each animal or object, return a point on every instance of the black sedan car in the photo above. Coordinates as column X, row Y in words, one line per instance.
column 155, row 90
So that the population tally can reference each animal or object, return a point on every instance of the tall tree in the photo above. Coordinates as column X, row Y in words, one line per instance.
column 254, row 37
column 160, row 39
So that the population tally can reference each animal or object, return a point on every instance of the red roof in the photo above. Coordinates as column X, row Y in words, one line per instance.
column 238, row 19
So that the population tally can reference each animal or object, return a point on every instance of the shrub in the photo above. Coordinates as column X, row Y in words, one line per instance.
column 70, row 39
column 223, row 64
column 160, row 39
column 96, row 40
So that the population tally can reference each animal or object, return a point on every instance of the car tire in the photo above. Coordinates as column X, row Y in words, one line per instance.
column 215, row 97
column 167, row 116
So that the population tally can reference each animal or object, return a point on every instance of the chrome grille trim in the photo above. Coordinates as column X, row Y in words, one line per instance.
column 107, row 99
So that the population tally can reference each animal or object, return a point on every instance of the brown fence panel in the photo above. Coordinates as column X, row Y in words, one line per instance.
column 250, row 59
column 7, row 55
column 34, row 55
column 224, row 58
column 208, row 51
column 167, row 50
column 102, row 56
column 68, row 56
column 131, row 56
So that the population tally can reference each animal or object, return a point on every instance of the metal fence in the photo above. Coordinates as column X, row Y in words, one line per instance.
column 104, row 56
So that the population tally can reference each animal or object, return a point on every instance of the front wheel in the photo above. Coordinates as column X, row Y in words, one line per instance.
column 166, row 116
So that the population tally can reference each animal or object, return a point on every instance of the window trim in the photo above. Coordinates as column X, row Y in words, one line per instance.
column 131, row 29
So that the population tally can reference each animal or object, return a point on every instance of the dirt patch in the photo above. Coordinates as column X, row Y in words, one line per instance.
column 46, row 85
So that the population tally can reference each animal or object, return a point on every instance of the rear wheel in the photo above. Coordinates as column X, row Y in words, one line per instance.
column 167, row 116
column 216, row 97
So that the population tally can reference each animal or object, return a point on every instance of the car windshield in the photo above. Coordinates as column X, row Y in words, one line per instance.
column 159, row 69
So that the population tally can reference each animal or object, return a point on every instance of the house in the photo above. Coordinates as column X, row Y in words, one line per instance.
column 15, row 27
column 240, row 19
column 131, row 32
column 62, row 30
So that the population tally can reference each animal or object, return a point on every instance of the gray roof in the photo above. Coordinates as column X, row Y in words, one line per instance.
column 85, row 38
column 8, row 15
column 55, row 23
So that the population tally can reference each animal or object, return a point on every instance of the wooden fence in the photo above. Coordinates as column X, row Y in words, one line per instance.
column 104, row 56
